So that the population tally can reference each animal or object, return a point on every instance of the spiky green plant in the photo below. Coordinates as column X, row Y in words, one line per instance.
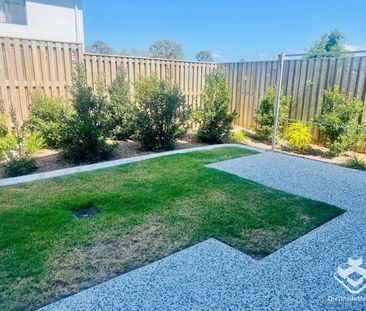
column 357, row 163
column 298, row 135
column 237, row 136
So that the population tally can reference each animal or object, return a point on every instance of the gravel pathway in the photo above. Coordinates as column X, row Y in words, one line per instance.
column 214, row 276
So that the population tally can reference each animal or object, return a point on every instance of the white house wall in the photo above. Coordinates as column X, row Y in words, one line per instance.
column 52, row 20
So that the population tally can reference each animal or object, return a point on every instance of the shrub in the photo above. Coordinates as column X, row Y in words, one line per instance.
column 215, row 120
column 19, row 167
column 84, row 134
column 7, row 143
column 120, row 112
column 48, row 115
column 3, row 121
column 265, row 115
column 18, row 147
column 356, row 163
column 298, row 135
column 162, row 116
column 237, row 136
column 340, row 120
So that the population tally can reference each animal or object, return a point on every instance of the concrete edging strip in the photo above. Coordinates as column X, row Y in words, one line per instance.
column 92, row 167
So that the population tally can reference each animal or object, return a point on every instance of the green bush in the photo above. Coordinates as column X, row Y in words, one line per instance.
column 340, row 120
column 237, row 136
column 19, row 167
column 356, row 163
column 3, row 121
column 162, row 116
column 265, row 115
column 120, row 111
column 215, row 120
column 298, row 135
column 18, row 147
column 7, row 143
column 48, row 115
column 84, row 136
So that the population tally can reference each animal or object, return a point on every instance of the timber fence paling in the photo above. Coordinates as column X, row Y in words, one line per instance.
column 305, row 80
column 29, row 65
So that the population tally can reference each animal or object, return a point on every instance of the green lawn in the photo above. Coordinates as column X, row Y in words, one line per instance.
column 147, row 210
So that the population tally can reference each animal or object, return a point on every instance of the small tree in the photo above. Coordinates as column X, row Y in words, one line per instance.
column 162, row 116
column 166, row 49
column 329, row 45
column 204, row 56
column 85, row 134
column 265, row 114
column 119, row 111
column 340, row 120
column 214, row 118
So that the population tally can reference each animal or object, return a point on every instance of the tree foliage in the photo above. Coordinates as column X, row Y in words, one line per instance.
column 48, row 115
column 204, row 56
column 329, row 45
column 264, row 116
column 166, row 49
column 340, row 120
column 84, row 135
column 119, row 111
column 100, row 47
column 214, row 118
column 162, row 116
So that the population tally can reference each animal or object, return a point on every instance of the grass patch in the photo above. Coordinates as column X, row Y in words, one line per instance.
column 146, row 210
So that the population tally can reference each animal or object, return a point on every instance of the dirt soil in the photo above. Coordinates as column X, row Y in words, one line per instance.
column 315, row 152
column 50, row 160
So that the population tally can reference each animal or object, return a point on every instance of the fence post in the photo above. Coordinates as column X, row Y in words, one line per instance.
column 281, row 60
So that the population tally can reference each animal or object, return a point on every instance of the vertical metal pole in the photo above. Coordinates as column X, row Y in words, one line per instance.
column 281, row 60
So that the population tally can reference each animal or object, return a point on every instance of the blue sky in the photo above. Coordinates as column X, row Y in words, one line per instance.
column 230, row 29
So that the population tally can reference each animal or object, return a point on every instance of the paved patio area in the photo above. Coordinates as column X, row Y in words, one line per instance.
column 214, row 276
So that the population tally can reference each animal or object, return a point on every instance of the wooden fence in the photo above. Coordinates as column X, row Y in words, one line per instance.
column 26, row 66
column 304, row 80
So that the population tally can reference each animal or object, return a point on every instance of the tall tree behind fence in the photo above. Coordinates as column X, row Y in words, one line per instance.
column 26, row 66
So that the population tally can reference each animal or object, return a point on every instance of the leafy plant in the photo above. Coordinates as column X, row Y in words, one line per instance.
column 19, row 167
column 7, row 143
column 214, row 118
column 265, row 115
column 18, row 147
column 237, row 136
column 340, row 120
column 162, row 116
column 48, row 115
column 298, row 135
column 120, row 111
column 356, row 163
column 33, row 142
column 84, row 137
column 3, row 121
